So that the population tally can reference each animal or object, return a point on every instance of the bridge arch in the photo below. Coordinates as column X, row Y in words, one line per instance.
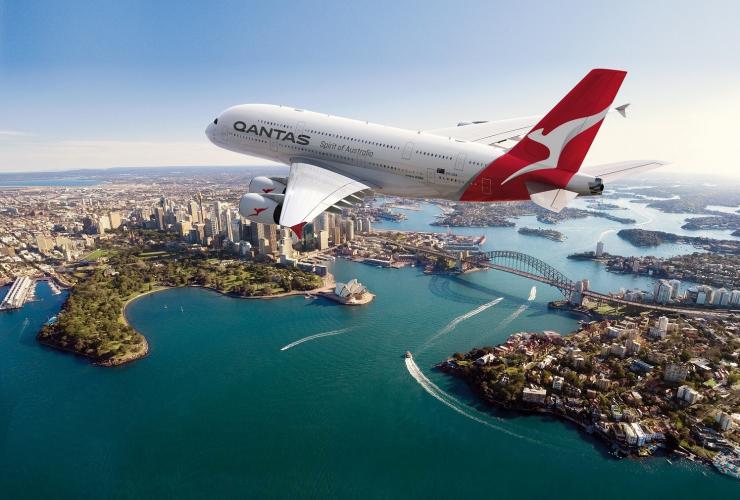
column 531, row 266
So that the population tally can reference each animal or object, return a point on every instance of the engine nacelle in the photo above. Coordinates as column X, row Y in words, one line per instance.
column 262, row 209
column 585, row 185
column 267, row 185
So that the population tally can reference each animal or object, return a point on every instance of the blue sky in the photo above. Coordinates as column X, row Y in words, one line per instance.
column 126, row 83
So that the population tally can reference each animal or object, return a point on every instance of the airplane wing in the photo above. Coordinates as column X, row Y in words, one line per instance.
column 612, row 171
column 493, row 133
column 489, row 132
column 312, row 190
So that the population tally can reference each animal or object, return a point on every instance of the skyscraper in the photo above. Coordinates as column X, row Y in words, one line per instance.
column 194, row 211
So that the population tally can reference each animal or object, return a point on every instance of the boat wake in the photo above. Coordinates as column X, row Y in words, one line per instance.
column 532, row 294
column 513, row 316
column 314, row 337
column 453, row 324
column 451, row 402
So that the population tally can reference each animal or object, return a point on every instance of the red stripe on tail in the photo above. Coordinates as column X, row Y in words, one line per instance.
column 555, row 148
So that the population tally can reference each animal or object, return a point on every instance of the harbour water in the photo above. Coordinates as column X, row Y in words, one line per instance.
column 219, row 410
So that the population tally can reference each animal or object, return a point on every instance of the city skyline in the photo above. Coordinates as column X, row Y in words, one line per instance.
column 126, row 86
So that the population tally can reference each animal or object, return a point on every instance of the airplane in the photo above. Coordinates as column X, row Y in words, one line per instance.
column 335, row 162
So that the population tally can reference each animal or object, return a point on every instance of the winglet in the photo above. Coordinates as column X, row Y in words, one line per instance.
column 622, row 109
column 298, row 229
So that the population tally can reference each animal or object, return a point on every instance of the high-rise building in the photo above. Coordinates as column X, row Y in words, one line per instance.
column 115, row 219
column 675, row 287
column 264, row 246
column 323, row 239
column 662, row 292
column 325, row 222
column 271, row 235
column 194, row 211
column 228, row 227
column 256, row 234
column 104, row 224
column 599, row 248
column 348, row 229
column 159, row 217
column 722, row 297
column 336, row 233
column 211, row 228
column 367, row 226
column 183, row 228
column 286, row 247
column 735, row 297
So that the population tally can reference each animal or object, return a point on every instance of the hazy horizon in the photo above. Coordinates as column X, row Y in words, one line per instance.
column 106, row 84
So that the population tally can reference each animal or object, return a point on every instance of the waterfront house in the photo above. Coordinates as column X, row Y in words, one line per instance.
column 536, row 396
column 485, row 359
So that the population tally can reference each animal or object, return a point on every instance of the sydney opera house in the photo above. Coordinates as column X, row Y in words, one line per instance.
column 351, row 293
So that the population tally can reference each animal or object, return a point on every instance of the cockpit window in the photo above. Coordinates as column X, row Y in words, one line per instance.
column 215, row 122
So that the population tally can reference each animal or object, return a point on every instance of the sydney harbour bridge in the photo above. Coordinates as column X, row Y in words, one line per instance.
column 527, row 266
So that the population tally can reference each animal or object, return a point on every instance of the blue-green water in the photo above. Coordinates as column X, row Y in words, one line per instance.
column 218, row 409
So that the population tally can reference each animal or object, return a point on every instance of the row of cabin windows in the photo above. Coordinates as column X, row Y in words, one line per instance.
column 346, row 138
column 433, row 155
column 342, row 157
column 248, row 137
column 275, row 124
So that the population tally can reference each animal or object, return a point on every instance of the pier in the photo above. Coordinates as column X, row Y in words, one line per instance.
column 21, row 290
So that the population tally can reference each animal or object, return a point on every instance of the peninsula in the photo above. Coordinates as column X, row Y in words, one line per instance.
column 92, row 322
column 646, row 238
column 642, row 384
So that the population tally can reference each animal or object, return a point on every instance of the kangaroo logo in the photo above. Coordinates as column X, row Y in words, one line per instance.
column 556, row 140
column 257, row 212
column 268, row 190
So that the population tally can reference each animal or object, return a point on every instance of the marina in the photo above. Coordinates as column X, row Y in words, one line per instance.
column 20, row 292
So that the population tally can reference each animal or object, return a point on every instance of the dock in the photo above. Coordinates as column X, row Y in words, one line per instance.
column 21, row 290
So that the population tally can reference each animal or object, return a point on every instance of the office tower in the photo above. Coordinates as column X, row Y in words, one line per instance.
column 348, row 229
column 599, row 248
column 194, row 211
column 115, row 219
column 323, row 239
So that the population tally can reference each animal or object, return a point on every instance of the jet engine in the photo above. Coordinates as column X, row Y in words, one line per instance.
column 264, row 209
column 268, row 185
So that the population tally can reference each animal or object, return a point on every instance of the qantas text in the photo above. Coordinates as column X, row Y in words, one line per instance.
column 276, row 133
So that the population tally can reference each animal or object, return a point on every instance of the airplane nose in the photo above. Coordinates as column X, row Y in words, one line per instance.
column 210, row 132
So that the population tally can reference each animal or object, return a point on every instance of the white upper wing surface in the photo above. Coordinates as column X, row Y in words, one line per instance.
column 312, row 190
column 489, row 132
column 612, row 171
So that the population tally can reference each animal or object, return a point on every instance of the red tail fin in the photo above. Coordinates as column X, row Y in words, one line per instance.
column 555, row 148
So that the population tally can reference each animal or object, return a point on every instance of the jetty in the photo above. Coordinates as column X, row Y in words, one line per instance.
column 19, row 293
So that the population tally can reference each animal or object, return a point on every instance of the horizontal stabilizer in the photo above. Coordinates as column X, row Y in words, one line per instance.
column 612, row 171
column 550, row 197
column 622, row 110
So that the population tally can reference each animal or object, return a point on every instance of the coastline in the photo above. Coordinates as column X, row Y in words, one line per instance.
column 145, row 344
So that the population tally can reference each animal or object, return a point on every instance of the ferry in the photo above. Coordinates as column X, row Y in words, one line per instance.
column 408, row 355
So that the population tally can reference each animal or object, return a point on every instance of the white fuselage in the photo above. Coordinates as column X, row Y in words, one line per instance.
column 391, row 160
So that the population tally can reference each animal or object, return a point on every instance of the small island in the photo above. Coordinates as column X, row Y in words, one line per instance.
column 550, row 234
